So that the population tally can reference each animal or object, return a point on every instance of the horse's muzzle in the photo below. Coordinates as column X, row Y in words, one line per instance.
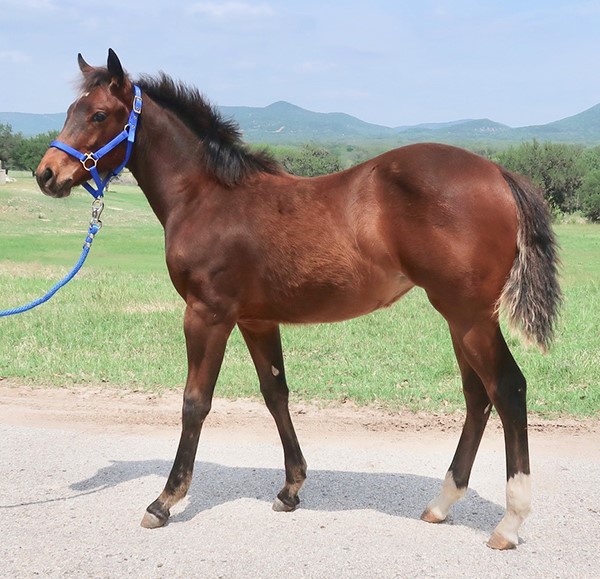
column 48, row 183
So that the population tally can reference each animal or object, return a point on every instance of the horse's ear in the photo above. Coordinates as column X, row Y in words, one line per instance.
column 115, row 68
column 83, row 65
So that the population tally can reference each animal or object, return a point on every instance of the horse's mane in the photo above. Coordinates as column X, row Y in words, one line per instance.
column 224, row 153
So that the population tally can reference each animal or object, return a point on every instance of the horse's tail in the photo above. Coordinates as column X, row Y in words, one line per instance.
column 531, row 296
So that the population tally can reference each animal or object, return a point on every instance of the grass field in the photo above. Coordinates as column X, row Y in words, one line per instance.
column 120, row 322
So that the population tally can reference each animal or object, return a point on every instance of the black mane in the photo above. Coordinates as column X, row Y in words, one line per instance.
column 225, row 154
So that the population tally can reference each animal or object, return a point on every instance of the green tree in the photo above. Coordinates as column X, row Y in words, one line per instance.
column 8, row 143
column 308, row 160
column 590, row 159
column 29, row 152
column 554, row 167
column 590, row 195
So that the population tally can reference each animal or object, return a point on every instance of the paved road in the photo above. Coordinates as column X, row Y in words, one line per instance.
column 71, row 500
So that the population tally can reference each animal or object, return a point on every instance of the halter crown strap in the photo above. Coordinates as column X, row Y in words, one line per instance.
column 90, row 160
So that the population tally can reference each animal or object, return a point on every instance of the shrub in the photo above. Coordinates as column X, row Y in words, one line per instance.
column 590, row 195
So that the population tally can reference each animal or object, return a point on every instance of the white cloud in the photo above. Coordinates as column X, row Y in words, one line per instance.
column 230, row 9
column 14, row 56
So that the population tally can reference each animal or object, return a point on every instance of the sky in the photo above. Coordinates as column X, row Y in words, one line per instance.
column 393, row 63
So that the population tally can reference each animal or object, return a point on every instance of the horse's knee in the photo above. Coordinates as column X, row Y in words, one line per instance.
column 195, row 410
column 275, row 392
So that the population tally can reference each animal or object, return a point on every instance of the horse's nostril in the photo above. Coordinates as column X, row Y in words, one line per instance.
column 48, row 174
column 45, row 177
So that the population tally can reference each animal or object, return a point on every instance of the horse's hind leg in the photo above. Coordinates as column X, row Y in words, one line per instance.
column 478, row 411
column 264, row 343
column 488, row 353
column 482, row 345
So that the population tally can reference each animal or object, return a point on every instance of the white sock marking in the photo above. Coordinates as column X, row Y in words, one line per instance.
column 440, row 506
column 518, row 506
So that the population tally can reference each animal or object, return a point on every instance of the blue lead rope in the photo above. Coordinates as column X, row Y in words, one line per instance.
column 92, row 231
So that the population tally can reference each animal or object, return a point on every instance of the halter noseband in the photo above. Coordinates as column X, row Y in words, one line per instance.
column 90, row 160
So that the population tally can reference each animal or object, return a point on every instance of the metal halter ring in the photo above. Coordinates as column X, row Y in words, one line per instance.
column 89, row 157
column 137, row 104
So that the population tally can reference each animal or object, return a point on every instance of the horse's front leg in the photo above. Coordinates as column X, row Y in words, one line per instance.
column 206, row 334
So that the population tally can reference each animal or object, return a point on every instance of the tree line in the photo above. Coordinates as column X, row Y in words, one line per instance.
column 22, row 153
column 569, row 175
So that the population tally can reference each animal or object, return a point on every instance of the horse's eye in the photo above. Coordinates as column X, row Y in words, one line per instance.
column 99, row 117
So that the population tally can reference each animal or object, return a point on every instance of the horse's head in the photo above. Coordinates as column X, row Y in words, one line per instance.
column 93, row 120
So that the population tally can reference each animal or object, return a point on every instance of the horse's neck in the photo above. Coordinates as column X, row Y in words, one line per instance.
column 163, row 155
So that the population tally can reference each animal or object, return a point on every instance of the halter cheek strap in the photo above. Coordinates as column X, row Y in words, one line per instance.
column 90, row 160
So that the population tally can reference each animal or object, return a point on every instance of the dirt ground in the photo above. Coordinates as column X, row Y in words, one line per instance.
column 130, row 411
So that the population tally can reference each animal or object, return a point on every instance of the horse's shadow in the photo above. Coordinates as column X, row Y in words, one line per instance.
column 395, row 494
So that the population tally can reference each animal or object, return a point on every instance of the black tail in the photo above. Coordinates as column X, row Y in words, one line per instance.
column 531, row 296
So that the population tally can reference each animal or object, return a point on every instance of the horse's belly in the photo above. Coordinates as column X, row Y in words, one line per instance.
column 323, row 304
column 380, row 293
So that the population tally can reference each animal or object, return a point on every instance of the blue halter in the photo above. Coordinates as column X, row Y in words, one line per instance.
column 90, row 160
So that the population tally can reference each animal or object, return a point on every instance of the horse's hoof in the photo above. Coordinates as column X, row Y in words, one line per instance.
column 151, row 521
column 497, row 541
column 280, row 507
column 429, row 517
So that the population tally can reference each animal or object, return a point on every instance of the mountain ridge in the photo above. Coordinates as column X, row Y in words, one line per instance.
column 282, row 122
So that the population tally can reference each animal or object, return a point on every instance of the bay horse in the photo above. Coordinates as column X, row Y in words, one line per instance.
column 247, row 243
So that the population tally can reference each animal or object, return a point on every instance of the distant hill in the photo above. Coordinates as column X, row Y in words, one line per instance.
column 458, row 131
column 580, row 128
column 30, row 124
column 285, row 123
